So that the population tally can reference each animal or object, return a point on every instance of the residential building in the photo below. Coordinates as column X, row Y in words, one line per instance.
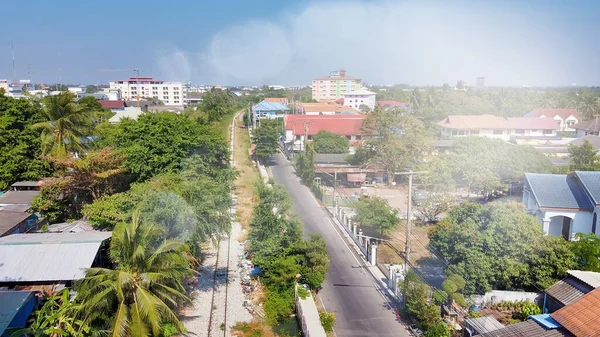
column 300, row 128
column 112, row 94
column 48, row 259
column 127, row 112
column 17, row 199
column 26, row 186
column 113, row 105
column 535, row 326
column 269, row 110
column 194, row 98
column 582, row 317
column 480, row 325
column 15, row 310
column 325, row 108
column 574, row 286
column 564, row 204
column 360, row 97
column 586, row 128
column 14, row 221
column 334, row 86
column 566, row 117
column 170, row 93
column 498, row 127
column 282, row 100
column 76, row 90
column 593, row 140
column 386, row 104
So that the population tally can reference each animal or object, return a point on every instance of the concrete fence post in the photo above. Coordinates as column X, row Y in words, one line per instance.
column 354, row 230
column 360, row 237
column 373, row 254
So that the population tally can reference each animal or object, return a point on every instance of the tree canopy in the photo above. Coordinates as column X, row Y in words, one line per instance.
column 375, row 212
column 328, row 142
column 584, row 157
column 266, row 138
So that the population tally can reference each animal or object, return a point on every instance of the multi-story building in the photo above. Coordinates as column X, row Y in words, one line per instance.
column 4, row 85
column 360, row 97
column 498, row 127
column 334, row 86
column 170, row 93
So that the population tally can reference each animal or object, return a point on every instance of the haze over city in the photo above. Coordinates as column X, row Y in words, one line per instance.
column 511, row 43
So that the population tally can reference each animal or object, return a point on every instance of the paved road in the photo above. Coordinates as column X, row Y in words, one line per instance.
column 349, row 290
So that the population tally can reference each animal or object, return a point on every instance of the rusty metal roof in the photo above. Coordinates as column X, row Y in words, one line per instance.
column 568, row 290
column 581, row 318
column 528, row 328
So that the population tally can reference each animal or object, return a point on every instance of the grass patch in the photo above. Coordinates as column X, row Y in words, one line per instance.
column 248, row 178
column 255, row 328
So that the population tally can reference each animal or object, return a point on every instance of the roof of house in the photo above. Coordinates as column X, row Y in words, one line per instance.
column 331, row 158
column 12, row 301
column 589, row 125
column 361, row 92
column 18, row 197
column 474, row 122
column 563, row 113
column 111, row 104
column 581, row 318
column 327, row 107
column 10, row 219
column 484, row 324
column 48, row 257
column 594, row 140
column 129, row 112
column 591, row 182
column 558, row 191
column 269, row 106
column 393, row 104
column 26, row 184
column 529, row 328
column 346, row 125
column 568, row 290
column 528, row 123
column 590, row 278
column 276, row 99
column 76, row 226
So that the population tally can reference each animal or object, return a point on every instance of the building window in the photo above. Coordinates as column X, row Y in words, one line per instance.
column 165, row 97
column 520, row 132
column 176, row 102
column 155, row 97
column 357, row 137
column 497, row 132
column 547, row 132
column 154, row 88
column 155, row 93
column 133, row 88
column 165, row 88
column 474, row 132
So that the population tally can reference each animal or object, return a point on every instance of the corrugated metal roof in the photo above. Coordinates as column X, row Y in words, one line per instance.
column 484, row 324
column 545, row 320
column 581, row 318
column 269, row 106
column 558, row 191
column 590, row 278
column 568, row 290
column 12, row 301
column 17, row 197
column 528, row 328
column 10, row 219
column 44, row 257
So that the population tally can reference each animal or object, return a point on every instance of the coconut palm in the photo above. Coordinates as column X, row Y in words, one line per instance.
column 140, row 295
column 589, row 106
column 547, row 100
column 66, row 123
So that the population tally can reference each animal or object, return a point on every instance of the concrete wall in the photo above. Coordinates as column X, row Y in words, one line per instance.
column 496, row 296
column 308, row 316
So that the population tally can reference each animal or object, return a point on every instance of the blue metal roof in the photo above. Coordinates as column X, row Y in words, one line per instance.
column 269, row 106
column 591, row 181
column 546, row 321
column 558, row 191
column 13, row 303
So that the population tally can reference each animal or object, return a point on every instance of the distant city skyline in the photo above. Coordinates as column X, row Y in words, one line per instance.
column 510, row 43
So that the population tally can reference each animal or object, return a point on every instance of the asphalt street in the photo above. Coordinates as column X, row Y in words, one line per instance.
column 361, row 309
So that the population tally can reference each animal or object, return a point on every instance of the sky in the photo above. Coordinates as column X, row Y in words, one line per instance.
column 275, row 42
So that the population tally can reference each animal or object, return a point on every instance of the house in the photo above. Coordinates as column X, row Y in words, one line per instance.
column 392, row 104
column 593, row 140
column 325, row 108
column 570, row 289
column 194, row 98
column 565, row 117
column 589, row 127
column 50, row 258
column 564, row 204
column 280, row 100
column 299, row 127
column 480, row 325
column 15, row 221
column 17, row 199
column 16, row 308
column 360, row 97
column 535, row 326
column 114, row 106
column 582, row 317
column 269, row 110
column 128, row 112
column 497, row 127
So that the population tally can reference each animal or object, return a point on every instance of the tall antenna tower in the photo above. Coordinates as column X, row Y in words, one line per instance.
column 12, row 47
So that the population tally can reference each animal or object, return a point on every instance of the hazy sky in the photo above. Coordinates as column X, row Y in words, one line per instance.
column 419, row 42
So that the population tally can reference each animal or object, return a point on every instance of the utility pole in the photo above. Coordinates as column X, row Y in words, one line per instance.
column 334, row 187
column 409, row 215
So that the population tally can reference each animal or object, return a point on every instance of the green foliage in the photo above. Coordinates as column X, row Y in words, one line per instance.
column 551, row 259
column 489, row 245
column 215, row 104
column 305, row 165
column 124, row 298
column 584, row 157
column 587, row 249
column 328, row 142
column 107, row 211
column 303, row 293
column 20, row 144
column 440, row 296
column 449, row 287
column 459, row 299
column 416, row 293
column 327, row 320
column 458, row 281
column 266, row 139
column 169, row 330
column 438, row 329
column 529, row 309
column 375, row 212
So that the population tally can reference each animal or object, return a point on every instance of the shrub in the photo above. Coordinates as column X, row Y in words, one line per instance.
column 302, row 292
column 459, row 299
column 458, row 281
column 327, row 320
column 440, row 296
column 449, row 287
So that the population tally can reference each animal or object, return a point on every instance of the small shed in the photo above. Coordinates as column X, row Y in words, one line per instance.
column 26, row 186
column 481, row 325
column 13, row 222
column 15, row 310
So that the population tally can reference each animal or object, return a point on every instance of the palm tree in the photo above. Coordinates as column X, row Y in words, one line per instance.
column 547, row 100
column 66, row 123
column 138, row 297
column 589, row 106
column 416, row 100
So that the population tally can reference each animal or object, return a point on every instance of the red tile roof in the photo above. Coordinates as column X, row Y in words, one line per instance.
column 281, row 100
column 563, row 113
column 393, row 104
column 108, row 104
column 346, row 125
column 474, row 122
column 581, row 318
column 529, row 123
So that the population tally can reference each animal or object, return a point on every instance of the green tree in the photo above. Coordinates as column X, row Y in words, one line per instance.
column 375, row 212
column 305, row 165
column 551, row 259
column 328, row 142
column 439, row 329
column 215, row 104
column 587, row 250
column 143, row 292
column 266, row 139
column 66, row 125
column 588, row 106
column 584, row 157
column 90, row 89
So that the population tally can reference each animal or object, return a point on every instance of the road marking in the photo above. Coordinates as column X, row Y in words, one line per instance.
column 344, row 241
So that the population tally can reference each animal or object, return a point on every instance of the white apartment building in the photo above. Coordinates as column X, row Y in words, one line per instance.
column 170, row 93
column 360, row 97
column 334, row 86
